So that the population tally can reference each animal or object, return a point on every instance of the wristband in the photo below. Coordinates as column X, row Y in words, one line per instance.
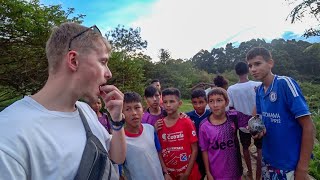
column 117, row 123
column 116, row 128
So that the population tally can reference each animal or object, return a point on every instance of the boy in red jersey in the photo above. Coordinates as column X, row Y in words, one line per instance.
column 178, row 140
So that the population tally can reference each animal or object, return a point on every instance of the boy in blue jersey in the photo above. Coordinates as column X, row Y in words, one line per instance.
column 288, row 138
column 199, row 102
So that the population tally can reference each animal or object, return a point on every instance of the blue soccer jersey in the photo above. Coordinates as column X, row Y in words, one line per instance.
column 280, row 107
column 197, row 119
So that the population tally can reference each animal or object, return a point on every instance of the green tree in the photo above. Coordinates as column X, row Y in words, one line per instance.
column 125, row 40
column 164, row 55
column 127, row 61
column 128, row 74
column 24, row 29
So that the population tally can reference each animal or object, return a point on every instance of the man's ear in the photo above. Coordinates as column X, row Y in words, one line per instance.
column 271, row 63
column 180, row 102
column 72, row 61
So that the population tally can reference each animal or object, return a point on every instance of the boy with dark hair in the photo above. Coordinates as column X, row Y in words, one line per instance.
column 288, row 138
column 178, row 140
column 156, row 83
column 199, row 102
column 242, row 98
column 221, row 81
column 154, row 111
column 143, row 147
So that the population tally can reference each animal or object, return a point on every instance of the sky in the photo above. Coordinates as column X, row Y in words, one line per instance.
column 184, row 27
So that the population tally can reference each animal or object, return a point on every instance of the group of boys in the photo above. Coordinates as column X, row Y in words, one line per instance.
column 278, row 100
column 43, row 136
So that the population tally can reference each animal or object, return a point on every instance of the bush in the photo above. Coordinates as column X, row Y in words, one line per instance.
column 314, row 168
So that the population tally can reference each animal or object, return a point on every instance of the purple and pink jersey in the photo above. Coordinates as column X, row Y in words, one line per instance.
column 221, row 143
column 105, row 122
column 150, row 118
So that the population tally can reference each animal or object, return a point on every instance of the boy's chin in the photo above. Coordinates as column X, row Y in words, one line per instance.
column 200, row 112
column 155, row 106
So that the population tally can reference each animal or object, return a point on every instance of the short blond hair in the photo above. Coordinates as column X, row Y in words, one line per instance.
column 58, row 43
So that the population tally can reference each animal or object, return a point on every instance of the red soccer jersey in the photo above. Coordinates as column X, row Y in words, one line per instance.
column 176, row 147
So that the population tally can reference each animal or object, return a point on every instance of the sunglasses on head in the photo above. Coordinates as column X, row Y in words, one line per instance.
column 94, row 28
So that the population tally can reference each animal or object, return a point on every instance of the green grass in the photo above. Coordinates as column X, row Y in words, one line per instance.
column 186, row 105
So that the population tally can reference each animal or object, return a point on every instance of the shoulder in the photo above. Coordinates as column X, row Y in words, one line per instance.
column 186, row 120
column 254, row 84
column 148, row 130
column 232, row 87
column 289, row 83
column 145, row 114
column 204, row 123
column 95, row 126
column 191, row 113
column 83, row 106
column 233, row 113
column 147, row 127
column 185, row 123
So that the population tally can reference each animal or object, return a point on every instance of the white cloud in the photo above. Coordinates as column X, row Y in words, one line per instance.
column 186, row 26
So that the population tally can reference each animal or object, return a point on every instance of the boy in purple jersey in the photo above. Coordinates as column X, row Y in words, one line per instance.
column 218, row 138
column 154, row 110
column 288, row 139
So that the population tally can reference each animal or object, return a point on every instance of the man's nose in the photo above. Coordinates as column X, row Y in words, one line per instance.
column 108, row 74
column 252, row 68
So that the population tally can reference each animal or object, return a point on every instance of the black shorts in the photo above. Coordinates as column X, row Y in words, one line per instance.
column 245, row 139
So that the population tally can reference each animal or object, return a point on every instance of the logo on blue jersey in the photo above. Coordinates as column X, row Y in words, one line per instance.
column 273, row 96
column 183, row 157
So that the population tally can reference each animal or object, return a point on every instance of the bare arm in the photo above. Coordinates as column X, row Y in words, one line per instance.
column 113, row 99
column 206, row 164
column 164, row 168
column 306, row 146
column 194, row 149
column 118, row 147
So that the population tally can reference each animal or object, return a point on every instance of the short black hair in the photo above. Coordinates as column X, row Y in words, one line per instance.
column 197, row 93
column 259, row 51
column 220, row 81
column 150, row 91
column 171, row 91
column 241, row 68
column 131, row 97
column 154, row 80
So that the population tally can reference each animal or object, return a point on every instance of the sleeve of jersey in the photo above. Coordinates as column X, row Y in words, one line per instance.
column 157, row 142
column 295, row 99
column 243, row 119
column 10, row 168
column 203, row 140
column 230, row 99
column 191, row 131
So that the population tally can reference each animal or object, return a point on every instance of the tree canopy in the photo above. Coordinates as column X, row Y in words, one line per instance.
column 24, row 29
column 26, row 25
column 307, row 8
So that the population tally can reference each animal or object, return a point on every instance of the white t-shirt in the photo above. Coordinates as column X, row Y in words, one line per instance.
column 142, row 160
column 242, row 96
column 36, row 143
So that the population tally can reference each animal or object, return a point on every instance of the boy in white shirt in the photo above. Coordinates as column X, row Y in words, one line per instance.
column 142, row 158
